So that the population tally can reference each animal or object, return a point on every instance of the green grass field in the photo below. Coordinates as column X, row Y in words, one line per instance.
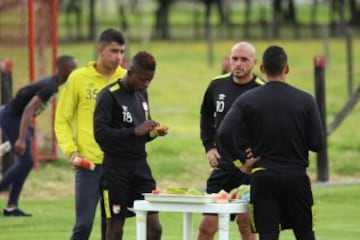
column 337, row 218
column 175, row 96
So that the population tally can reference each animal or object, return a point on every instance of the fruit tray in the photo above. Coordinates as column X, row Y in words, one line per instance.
column 238, row 201
column 178, row 198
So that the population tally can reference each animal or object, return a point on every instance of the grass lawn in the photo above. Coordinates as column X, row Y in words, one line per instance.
column 337, row 218
column 175, row 96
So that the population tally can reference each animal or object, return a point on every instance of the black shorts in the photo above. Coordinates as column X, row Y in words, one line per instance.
column 225, row 179
column 120, row 187
column 281, row 201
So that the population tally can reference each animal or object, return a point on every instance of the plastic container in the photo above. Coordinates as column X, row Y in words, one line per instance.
column 83, row 163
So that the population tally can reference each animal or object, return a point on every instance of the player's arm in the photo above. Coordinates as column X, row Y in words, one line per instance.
column 207, row 122
column 26, row 119
column 228, row 135
column 65, row 111
column 229, row 132
column 315, row 133
column 208, row 129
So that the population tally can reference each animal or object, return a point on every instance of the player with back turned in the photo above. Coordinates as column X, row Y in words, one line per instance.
column 282, row 124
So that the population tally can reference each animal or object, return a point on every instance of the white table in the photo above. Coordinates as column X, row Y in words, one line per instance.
column 141, row 207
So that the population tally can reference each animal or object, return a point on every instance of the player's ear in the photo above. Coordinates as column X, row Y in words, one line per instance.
column 286, row 69
column 100, row 48
column 262, row 68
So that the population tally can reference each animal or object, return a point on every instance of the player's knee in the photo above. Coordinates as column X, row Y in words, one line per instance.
column 208, row 226
column 27, row 163
column 244, row 224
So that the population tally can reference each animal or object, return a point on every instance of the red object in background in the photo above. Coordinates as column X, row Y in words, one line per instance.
column 83, row 163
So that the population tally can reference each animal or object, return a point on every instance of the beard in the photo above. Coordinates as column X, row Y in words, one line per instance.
column 241, row 74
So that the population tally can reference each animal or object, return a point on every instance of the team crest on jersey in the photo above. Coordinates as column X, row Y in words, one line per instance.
column 220, row 102
column 127, row 117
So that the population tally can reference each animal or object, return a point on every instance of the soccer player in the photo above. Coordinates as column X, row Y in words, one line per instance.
column 282, row 124
column 218, row 98
column 123, row 126
column 16, row 123
column 74, row 125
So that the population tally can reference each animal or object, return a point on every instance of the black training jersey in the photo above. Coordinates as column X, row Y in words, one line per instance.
column 218, row 98
column 45, row 88
column 282, row 124
column 118, row 111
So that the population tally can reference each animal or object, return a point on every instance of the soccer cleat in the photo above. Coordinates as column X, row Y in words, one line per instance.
column 15, row 213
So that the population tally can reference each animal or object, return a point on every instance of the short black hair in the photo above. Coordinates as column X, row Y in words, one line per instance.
column 63, row 59
column 274, row 60
column 144, row 60
column 111, row 35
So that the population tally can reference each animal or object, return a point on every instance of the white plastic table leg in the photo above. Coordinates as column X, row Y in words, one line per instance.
column 224, row 219
column 141, row 225
column 187, row 225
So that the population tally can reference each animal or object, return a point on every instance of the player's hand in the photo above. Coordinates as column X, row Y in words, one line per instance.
column 145, row 128
column 161, row 129
column 249, row 153
column 19, row 147
column 72, row 157
column 248, row 165
column 213, row 157
column 249, row 161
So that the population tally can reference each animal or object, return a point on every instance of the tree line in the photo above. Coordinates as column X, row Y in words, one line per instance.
column 282, row 12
